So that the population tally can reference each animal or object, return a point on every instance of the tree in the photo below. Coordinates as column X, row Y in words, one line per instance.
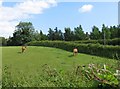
column 43, row 36
column 10, row 41
column 79, row 33
column 23, row 33
column 95, row 34
column 50, row 34
column 118, row 27
column 61, row 35
column 37, row 36
column 87, row 36
column 55, row 35
column 3, row 41
column 58, row 35
column 106, row 32
column 68, row 35
column 115, row 31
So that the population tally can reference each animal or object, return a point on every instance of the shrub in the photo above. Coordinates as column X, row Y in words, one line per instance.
column 93, row 49
column 115, row 41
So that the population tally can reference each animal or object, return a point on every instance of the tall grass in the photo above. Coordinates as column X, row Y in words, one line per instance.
column 100, row 76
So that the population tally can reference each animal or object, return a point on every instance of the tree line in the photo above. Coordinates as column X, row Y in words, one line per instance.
column 25, row 32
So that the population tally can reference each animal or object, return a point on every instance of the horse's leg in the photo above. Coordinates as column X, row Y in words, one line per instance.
column 73, row 54
column 22, row 50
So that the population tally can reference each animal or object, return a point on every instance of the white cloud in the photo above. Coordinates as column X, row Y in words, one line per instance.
column 1, row 2
column 32, row 7
column 7, row 28
column 86, row 8
column 9, row 16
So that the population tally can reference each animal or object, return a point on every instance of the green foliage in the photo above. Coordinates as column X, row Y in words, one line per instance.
column 23, row 34
column 68, row 35
column 114, row 42
column 93, row 49
column 95, row 34
column 106, row 32
column 38, row 36
column 79, row 33
column 3, row 41
column 79, row 76
column 55, row 35
column 50, row 34
column 115, row 31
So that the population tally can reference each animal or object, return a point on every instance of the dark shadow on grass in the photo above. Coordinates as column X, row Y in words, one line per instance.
column 57, row 57
column 63, row 63
column 71, row 55
column 19, row 52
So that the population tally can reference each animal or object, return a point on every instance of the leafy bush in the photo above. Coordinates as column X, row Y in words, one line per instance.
column 115, row 41
column 93, row 49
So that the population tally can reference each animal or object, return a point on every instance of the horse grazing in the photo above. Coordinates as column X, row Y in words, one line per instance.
column 75, row 51
column 23, row 48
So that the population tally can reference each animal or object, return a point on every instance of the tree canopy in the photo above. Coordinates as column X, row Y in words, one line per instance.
column 25, row 32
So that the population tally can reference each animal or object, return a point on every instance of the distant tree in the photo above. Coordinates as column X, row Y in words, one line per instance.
column 43, row 36
column 23, row 33
column 95, row 34
column 115, row 31
column 58, row 35
column 68, row 35
column 106, row 32
column 38, row 36
column 55, row 34
column 118, row 27
column 10, row 41
column 87, row 36
column 61, row 36
column 3, row 41
column 50, row 34
column 79, row 33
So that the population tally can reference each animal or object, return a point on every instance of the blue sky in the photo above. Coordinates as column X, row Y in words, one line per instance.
column 66, row 14
column 59, row 14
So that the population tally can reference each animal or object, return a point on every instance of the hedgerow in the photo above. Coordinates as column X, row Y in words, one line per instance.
column 115, row 41
column 92, row 49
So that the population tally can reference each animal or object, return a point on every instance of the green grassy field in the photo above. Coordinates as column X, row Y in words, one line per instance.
column 35, row 57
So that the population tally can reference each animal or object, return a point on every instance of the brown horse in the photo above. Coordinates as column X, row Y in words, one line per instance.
column 75, row 51
column 23, row 48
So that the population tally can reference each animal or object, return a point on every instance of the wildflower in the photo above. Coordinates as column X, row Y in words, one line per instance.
column 98, row 70
column 104, row 67
column 117, row 73
column 90, row 66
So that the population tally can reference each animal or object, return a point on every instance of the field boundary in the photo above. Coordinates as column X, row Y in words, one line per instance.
column 92, row 49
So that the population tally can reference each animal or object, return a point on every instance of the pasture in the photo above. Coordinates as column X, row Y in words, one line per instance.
column 35, row 57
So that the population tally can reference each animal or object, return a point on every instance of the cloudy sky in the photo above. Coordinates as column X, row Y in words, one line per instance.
column 45, row 14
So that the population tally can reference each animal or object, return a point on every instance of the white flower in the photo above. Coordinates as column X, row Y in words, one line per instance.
column 91, row 65
column 104, row 67
column 117, row 73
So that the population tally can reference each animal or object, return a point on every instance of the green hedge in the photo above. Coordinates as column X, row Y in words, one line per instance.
column 93, row 49
column 115, row 41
